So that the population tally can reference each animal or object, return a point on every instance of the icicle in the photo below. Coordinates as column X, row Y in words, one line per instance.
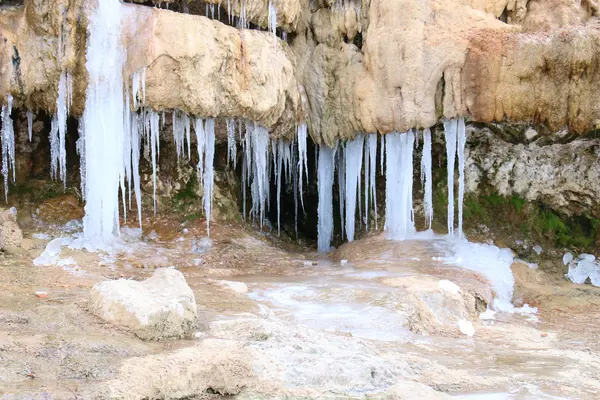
column 372, row 144
column 272, row 22
column 103, row 121
column 54, row 139
column 207, row 197
column 8, row 145
column 353, row 159
column 341, row 168
column 367, row 182
column 426, row 178
column 450, row 128
column 325, row 173
column 136, row 139
column 295, row 185
column 260, row 179
column 201, row 143
column 30, row 124
column 186, row 121
column 61, row 120
column 247, row 165
column 178, row 133
column 279, row 154
column 231, row 143
column 382, row 154
column 80, row 147
column 302, row 159
column 154, row 139
column 462, row 139
column 399, row 219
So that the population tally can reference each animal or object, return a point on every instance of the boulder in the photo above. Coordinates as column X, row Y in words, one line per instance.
column 10, row 233
column 160, row 307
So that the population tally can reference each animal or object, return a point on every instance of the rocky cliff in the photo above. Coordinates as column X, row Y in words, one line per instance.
column 344, row 67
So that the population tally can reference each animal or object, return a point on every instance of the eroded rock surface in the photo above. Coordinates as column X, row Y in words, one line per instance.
column 10, row 233
column 160, row 307
column 564, row 176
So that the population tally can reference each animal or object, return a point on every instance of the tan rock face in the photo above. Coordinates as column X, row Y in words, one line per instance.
column 214, row 71
column 10, row 233
column 352, row 67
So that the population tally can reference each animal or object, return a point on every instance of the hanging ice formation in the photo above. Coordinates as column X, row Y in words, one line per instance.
column 8, row 145
column 181, row 133
column 231, row 142
column 353, row 166
column 399, row 216
column 302, row 159
column 325, row 172
column 58, row 131
column 370, row 167
column 103, row 122
column 341, row 168
column 461, row 172
column 272, row 22
column 30, row 124
column 426, row 178
column 205, row 138
column 450, row 128
column 282, row 159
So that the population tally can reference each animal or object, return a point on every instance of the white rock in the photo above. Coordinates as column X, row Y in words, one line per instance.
column 237, row 287
column 162, row 306
column 530, row 133
column 466, row 327
column 538, row 249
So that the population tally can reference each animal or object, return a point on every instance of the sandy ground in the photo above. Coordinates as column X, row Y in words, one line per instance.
column 309, row 326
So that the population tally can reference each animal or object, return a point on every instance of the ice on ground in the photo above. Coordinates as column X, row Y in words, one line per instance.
column 449, row 286
column 490, row 261
column 583, row 267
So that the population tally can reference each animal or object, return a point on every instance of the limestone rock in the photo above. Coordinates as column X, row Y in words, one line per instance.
column 10, row 233
column 160, row 307
column 562, row 176
column 223, row 366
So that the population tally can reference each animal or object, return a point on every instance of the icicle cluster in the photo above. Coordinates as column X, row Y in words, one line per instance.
column 399, row 215
column 205, row 138
column 455, row 133
column 8, row 145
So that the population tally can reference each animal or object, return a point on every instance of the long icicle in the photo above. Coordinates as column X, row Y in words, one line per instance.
column 399, row 217
column 209, row 128
column 461, row 172
column 373, row 162
column 325, row 172
column 450, row 128
column 353, row 159
column 426, row 178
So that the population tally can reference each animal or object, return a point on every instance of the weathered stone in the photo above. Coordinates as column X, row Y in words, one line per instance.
column 160, row 307
column 562, row 176
column 10, row 233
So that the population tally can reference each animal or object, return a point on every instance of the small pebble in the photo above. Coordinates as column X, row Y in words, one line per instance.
column 41, row 295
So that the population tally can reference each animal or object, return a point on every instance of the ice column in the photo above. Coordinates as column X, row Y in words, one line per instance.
column 103, row 121
column 353, row 162
column 399, row 217
column 325, row 173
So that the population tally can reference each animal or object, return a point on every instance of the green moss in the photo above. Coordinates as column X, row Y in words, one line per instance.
column 535, row 221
